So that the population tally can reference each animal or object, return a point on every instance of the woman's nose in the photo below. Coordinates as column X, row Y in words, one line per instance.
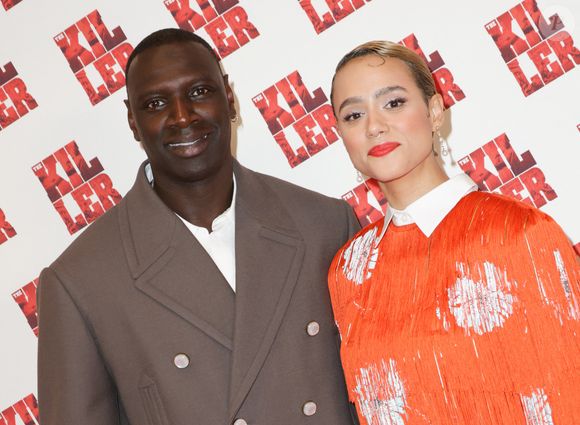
column 376, row 124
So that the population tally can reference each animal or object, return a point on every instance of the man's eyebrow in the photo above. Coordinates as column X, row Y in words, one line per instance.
column 380, row 92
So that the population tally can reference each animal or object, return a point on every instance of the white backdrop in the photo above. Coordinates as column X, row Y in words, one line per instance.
column 508, row 70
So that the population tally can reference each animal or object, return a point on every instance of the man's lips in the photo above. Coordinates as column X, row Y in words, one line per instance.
column 187, row 142
column 383, row 149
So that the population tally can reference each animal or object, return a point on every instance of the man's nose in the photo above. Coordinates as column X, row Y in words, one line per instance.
column 182, row 113
column 376, row 124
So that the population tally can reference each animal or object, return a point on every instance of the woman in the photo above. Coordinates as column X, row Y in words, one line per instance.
column 460, row 307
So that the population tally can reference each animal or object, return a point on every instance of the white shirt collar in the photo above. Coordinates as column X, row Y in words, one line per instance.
column 149, row 173
column 225, row 218
column 430, row 209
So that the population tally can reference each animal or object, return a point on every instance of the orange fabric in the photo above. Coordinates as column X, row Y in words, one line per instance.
column 477, row 324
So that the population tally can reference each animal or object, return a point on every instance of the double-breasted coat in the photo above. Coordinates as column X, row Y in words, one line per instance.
column 138, row 326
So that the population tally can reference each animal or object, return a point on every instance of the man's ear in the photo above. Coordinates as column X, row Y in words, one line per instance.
column 131, row 121
column 230, row 97
column 436, row 111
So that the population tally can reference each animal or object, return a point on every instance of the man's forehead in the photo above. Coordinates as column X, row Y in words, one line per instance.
column 189, row 54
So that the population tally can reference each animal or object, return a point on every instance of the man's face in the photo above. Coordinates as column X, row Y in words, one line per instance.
column 179, row 107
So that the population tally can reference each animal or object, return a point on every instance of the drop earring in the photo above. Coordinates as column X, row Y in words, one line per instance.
column 359, row 176
column 443, row 145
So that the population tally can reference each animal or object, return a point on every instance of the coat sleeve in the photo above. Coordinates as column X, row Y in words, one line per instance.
column 353, row 223
column 74, row 386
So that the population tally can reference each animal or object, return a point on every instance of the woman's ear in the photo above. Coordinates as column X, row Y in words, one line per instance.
column 436, row 111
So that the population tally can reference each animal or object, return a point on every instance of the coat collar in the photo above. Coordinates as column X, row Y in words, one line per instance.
column 170, row 266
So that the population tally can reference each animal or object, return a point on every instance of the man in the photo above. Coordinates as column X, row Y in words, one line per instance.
column 201, row 298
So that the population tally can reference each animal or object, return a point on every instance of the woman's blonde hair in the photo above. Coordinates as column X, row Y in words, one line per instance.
column 388, row 49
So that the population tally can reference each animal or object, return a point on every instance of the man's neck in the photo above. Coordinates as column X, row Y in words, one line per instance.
column 199, row 202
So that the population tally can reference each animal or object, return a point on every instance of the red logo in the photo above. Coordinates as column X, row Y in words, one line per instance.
column 15, row 101
column 26, row 300
column 76, row 187
column 335, row 10
column 549, row 49
column 512, row 174
column 224, row 21
column 96, row 56
column 444, row 80
column 25, row 409
column 306, row 126
column 8, row 4
column 367, row 201
column 6, row 229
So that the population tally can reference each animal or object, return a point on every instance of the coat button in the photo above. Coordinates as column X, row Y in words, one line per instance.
column 240, row 422
column 309, row 408
column 312, row 328
column 181, row 361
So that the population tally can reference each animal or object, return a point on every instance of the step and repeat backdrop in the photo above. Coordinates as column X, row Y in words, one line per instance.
column 507, row 69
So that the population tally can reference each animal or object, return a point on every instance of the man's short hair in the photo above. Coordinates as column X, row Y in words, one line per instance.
column 166, row 36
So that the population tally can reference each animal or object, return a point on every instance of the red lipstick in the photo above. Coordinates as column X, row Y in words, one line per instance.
column 383, row 149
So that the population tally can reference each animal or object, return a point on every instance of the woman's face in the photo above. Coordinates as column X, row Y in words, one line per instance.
column 383, row 118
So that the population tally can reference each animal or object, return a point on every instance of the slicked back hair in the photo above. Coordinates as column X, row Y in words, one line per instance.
column 388, row 49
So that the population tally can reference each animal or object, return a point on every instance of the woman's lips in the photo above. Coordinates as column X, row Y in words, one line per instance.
column 383, row 149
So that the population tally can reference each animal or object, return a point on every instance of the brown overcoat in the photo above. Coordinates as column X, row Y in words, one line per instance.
column 138, row 326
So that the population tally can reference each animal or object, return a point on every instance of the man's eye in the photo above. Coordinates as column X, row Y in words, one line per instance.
column 352, row 116
column 199, row 91
column 154, row 104
column 395, row 103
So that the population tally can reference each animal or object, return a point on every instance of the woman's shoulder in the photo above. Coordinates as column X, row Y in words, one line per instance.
column 492, row 208
column 368, row 233
column 359, row 246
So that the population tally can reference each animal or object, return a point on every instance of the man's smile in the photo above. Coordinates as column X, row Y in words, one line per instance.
column 185, row 143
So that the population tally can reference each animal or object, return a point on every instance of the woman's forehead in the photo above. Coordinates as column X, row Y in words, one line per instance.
column 370, row 73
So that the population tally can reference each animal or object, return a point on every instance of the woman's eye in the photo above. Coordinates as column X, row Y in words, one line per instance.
column 154, row 104
column 395, row 103
column 352, row 116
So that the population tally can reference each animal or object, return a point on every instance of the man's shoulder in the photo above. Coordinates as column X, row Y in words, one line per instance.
column 319, row 217
column 98, row 240
column 298, row 196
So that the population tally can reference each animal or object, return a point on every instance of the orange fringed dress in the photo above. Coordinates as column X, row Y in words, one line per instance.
column 476, row 324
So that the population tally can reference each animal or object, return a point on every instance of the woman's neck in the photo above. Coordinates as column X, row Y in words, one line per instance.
column 405, row 190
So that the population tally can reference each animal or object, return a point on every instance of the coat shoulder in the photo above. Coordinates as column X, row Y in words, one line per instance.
column 301, row 199
column 316, row 217
column 101, row 240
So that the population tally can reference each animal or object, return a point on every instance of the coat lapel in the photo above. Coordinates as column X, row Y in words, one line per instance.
column 170, row 266
column 269, row 254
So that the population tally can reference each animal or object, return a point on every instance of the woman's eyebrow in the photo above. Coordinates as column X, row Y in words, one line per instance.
column 387, row 90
